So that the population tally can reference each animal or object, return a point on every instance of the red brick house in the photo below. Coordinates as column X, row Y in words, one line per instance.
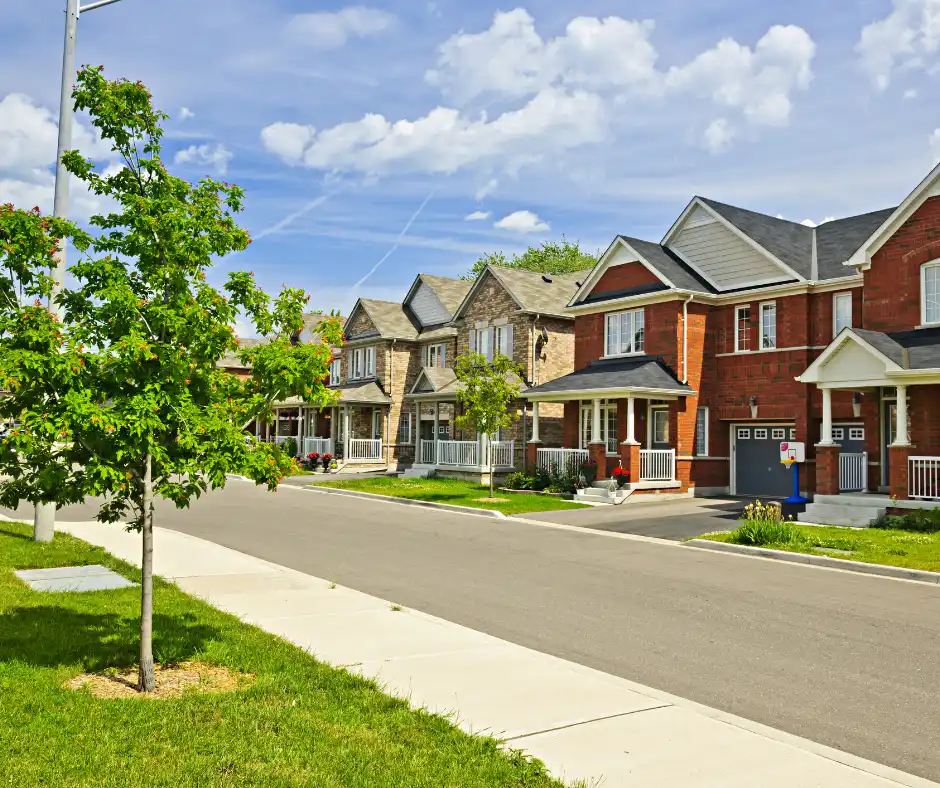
column 697, row 356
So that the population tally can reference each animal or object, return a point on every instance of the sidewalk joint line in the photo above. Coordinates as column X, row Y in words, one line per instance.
column 588, row 722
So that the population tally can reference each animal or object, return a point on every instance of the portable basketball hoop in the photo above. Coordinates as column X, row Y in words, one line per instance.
column 789, row 458
column 791, row 454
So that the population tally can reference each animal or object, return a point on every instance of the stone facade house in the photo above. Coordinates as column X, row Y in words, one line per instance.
column 697, row 357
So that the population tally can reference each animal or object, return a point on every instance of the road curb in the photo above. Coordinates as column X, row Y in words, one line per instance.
column 882, row 570
column 446, row 507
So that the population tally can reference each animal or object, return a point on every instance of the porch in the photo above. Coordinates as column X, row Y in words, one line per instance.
column 895, row 393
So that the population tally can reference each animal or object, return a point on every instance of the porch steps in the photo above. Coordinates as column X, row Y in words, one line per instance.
column 855, row 511
column 599, row 493
column 419, row 472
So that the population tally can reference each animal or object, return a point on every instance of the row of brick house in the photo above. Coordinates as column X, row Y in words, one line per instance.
column 686, row 361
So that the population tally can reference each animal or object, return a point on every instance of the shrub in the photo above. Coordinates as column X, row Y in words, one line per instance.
column 918, row 520
column 541, row 480
column 289, row 447
column 763, row 532
column 520, row 481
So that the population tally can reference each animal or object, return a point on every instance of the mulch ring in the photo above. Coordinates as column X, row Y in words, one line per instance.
column 172, row 681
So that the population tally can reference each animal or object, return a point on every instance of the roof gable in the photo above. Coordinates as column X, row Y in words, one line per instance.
column 927, row 188
column 722, row 253
column 359, row 323
column 530, row 291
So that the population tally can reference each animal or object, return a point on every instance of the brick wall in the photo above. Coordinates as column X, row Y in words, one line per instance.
column 621, row 277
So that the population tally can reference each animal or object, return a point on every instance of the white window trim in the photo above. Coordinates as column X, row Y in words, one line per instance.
column 405, row 419
column 336, row 372
column 695, row 448
column 441, row 355
column 362, row 354
column 835, row 312
column 760, row 318
column 923, row 293
column 737, row 324
column 653, row 412
column 619, row 314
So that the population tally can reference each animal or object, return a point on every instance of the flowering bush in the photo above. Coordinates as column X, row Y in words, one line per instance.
column 620, row 475
column 327, row 460
column 311, row 461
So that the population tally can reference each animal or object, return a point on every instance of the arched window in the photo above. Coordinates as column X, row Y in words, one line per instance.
column 930, row 292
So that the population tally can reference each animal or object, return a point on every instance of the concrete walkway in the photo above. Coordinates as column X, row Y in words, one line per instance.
column 584, row 724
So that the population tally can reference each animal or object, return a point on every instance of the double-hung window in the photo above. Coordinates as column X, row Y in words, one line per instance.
column 701, row 432
column 362, row 363
column 334, row 372
column 742, row 329
column 930, row 292
column 626, row 333
column 435, row 356
column 404, row 429
column 484, row 342
column 768, row 326
column 841, row 312
column 502, row 336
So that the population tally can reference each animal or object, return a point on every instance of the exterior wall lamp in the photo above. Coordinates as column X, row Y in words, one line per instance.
column 857, row 404
column 753, row 403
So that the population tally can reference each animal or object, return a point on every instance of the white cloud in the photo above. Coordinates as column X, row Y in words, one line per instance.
column 718, row 136
column 477, row 216
column 217, row 157
column 332, row 29
column 443, row 141
column 186, row 113
column 486, row 189
column 935, row 145
column 562, row 93
column 523, row 222
column 909, row 37
column 910, row 93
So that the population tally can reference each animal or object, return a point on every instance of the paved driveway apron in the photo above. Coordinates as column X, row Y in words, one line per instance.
column 676, row 520
column 842, row 659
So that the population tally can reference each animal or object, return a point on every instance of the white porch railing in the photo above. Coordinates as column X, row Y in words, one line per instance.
column 502, row 453
column 427, row 452
column 853, row 472
column 567, row 461
column 923, row 478
column 364, row 449
column 657, row 465
column 458, row 453
column 319, row 445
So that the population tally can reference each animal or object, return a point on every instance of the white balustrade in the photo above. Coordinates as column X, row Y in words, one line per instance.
column 427, row 452
column 364, row 449
column 657, row 465
column 458, row 453
column 568, row 461
column 923, row 478
column 502, row 453
column 319, row 446
column 853, row 472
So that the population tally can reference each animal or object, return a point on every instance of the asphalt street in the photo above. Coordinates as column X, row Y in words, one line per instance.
column 843, row 659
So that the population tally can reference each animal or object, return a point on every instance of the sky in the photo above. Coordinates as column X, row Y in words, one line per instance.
column 376, row 142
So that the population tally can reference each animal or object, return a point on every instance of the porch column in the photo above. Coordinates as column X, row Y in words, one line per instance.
column 436, row 436
column 825, row 437
column 900, row 450
column 334, row 423
column 301, row 429
column 827, row 452
column 630, row 448
column 346, row 435
column 258, row 428
column 598, row 448
column 532, row 449
column 535, row 423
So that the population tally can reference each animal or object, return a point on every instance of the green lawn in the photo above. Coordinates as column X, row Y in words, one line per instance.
column 456, row 492
column 871, row 545
column 301, row 723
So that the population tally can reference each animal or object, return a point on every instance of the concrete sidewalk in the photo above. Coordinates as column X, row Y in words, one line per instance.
column 584, row 724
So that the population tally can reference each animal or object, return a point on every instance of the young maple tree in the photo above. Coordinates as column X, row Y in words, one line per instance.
column 129, row 383
column 485, row 392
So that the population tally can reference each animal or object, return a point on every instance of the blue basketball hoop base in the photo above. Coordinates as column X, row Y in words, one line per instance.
column 796, row 498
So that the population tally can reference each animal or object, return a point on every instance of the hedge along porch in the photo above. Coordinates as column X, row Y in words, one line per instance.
column 627, row 412
column 895, row 378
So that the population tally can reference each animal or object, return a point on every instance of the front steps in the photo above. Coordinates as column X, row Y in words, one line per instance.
column 419, row 472
column 599, row 494
column 856, row 510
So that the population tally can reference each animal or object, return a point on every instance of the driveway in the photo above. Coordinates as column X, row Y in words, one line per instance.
column 839, row 658
column 672, row 519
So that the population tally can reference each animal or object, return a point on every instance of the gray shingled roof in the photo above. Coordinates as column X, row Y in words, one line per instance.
column 390, row 319
column 367, row 393
column 534, row 294
column 450, row 292
column 790, row 242
column 642, row 372
column 917, row 349
column 441, row 332
column 446, row 384
column 669, row 266
column 838, row 240
column 439, row 377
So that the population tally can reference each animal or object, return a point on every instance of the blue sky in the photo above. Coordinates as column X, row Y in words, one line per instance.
column 347, row 124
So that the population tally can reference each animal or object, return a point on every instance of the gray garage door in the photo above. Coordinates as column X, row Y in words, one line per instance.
column 758, row 470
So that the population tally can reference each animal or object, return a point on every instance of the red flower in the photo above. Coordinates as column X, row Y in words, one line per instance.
column 621, row 473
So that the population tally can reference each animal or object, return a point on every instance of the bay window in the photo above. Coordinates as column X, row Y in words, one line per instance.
column 625, row 333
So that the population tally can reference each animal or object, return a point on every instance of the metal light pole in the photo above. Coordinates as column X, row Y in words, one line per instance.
column 44, row 516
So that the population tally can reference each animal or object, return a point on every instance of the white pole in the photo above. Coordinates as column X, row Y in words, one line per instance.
column 596, row 423
column 535, row 423
column 631, row 421
column 826, row 437
column 437, row 437
column 900, row 430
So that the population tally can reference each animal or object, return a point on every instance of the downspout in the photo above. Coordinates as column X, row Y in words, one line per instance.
column 685, row 338
column 388, row 419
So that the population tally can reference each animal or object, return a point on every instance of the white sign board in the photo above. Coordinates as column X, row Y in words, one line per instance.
column 792, row 452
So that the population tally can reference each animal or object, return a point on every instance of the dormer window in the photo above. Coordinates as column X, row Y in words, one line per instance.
column 930, row 293
column 625, row 333
column 362, row 363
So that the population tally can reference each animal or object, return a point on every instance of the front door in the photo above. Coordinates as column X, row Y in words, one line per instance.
column 376, row 425
column 659, row 428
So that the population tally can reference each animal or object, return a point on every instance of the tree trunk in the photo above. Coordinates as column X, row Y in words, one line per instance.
column 147, row 680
